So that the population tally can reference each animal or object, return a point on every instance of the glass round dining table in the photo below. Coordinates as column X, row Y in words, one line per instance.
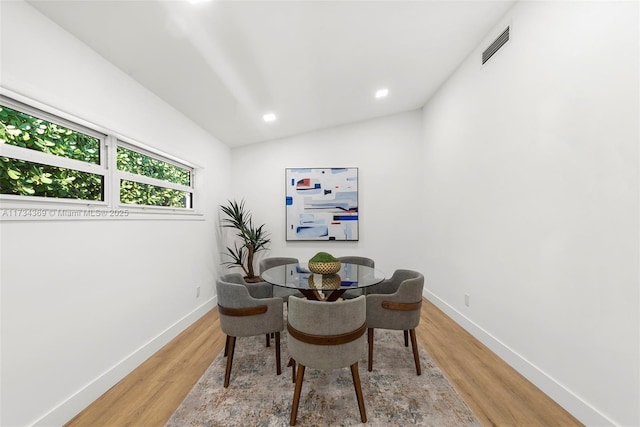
column 322, row 287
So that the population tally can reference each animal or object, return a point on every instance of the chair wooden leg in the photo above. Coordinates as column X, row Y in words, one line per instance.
column 227, row 372
column 278, row 364
column 416, row 357
column 370, row 339
column 226, row 346
column 268, row 340
column 292, row 363
column 356, row 383
column 406, row 338
column 296, row 395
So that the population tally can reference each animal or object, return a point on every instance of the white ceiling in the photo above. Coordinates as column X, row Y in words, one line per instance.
column 315, row 64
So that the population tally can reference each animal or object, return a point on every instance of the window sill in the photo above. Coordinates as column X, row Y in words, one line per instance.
column 102, row 213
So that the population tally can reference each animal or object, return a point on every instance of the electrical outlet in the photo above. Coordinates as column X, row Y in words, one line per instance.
column 197, row 291
column 466, row 300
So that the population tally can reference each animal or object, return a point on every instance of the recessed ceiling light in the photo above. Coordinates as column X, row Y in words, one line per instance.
column 382, row 93
column 269, row 117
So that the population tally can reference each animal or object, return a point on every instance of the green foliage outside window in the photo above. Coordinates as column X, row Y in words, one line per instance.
column 146, row 194
column 23, row 130
column 24, row 178
column 136, row 193
column 140, row 164
column 20, row 177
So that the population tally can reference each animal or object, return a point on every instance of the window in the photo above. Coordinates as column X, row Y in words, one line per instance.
column 42, row 158
column 146, row 180
column 46, row 159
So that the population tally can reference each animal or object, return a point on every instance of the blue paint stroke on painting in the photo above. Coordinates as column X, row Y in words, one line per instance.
column 289, row 201
column 345, row 217
column 310, row 232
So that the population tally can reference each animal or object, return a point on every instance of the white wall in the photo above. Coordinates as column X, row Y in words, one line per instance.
column 389, row 195
column 531, row 189
column 85, row 302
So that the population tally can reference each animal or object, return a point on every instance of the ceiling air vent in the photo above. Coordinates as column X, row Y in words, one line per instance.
column 497, row 44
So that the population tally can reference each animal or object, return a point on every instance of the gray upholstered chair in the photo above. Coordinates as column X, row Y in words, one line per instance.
column 256, row 290
column 395, row 304
column 279, row 291
column 242, row 315
column 359, row 260
column 326, row 335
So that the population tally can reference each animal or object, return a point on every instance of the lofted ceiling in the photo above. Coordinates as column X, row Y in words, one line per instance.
column 315, row 64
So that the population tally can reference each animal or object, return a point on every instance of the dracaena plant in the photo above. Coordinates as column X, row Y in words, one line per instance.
column 251, row 238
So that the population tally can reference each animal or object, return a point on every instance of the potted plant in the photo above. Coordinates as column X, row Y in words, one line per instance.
column 253, row 238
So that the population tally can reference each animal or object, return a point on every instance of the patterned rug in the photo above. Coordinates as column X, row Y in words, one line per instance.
column 393, row 393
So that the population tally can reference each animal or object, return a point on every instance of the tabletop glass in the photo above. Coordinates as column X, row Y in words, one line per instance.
column 322, row 286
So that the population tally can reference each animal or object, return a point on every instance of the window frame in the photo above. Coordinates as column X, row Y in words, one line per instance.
column 20, row 207
column 119, row 175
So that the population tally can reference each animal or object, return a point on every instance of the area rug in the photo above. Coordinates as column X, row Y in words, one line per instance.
column 394, row 395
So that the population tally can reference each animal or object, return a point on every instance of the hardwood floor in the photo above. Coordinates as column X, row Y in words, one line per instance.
column 150, row 394
column 497, row 394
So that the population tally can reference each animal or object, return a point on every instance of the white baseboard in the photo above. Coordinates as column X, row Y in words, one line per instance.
column 577, row 407
column 75, row 403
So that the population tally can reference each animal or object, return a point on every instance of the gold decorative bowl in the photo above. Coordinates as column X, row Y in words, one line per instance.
column 324, row 267
column 327, row 281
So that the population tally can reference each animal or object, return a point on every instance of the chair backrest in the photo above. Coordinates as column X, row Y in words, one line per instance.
column 247, row 316
column 399, row 309
column 267, row 263
column 233, row 278
column 411, row 285
column 233, row 295
column 392, row 284
column 337, row 329
column 360, row 260
column 256, row 290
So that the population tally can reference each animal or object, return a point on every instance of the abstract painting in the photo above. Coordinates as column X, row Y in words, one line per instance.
column 322, row 203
